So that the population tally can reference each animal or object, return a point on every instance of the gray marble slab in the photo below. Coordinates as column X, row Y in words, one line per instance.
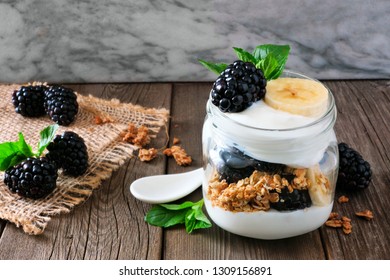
column 142, row 41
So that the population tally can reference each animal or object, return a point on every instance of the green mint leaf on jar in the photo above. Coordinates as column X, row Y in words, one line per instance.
column 244, row 55
column 217, row 68
column 271, row 59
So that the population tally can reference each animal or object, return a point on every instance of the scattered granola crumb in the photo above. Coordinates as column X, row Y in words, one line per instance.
column 102, row 120
column 179, row 154
column 333, row 215
column 343, row 199
column 347, row 226
column 142, row 138
column 335, row 222
column 366, row 214
column 137, row 136
column 147, row 154
column 176, row 140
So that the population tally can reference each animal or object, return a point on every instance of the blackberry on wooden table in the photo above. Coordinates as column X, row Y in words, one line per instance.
column 354, row 172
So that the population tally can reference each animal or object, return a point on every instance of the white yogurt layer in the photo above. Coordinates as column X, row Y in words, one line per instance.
column 260, row 115
column 272, row 135
column 271, row 224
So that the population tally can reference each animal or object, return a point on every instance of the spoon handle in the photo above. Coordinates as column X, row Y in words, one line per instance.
column 166, row 188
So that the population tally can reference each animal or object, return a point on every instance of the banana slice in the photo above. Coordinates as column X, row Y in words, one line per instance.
column 319, row 188
column 297, row 96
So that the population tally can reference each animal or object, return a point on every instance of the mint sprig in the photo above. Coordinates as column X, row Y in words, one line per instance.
column 214, row 67
column 271, row 59
column 188, row 213
column 12, row 153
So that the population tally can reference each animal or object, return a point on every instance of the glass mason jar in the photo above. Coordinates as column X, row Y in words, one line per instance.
column 269, row 183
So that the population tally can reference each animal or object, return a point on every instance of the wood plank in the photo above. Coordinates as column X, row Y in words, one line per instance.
column 188, row 111
column 364, row 123
column 110, row 224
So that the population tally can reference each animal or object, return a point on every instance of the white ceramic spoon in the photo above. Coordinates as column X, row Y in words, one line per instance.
column 166, row 188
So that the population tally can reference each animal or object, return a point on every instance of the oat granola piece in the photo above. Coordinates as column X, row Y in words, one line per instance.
column 333, row 215
column 147, row 154
column 179, row 154
column 142, row 138
column 130, row 133
column 335, row 223
column 343, row 199
column 366, row 214
column 102, row 120
column 137, row 136
column 176, row 141
column 347, row 226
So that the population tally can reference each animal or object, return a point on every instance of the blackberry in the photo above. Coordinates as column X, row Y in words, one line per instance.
column 28, row 100
column 297, row 199
column 69, row 152
column 33, row 178
column 238, row 86
column 236, row 165
column 354, row 172
column 233, row 175
column 61, row 104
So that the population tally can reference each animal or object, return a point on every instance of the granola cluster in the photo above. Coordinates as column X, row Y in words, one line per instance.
column 179, row 154
column 335, row 222
column 138, row 136
column 254, row 193
column 147, row 154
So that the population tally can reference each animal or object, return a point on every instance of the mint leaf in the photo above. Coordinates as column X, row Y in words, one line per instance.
column 244, row 55
column 12, row 153
column 189, row 213
column 47, row 135
column 184, row 205
column 271, row 59
column 214, row 67
column 162, row 217
column 23, row 147
column 270, row 67
column 196, row 219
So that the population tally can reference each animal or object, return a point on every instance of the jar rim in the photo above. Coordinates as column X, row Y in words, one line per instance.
column 214, row 111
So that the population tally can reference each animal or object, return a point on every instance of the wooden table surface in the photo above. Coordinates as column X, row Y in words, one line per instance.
column 110, row 225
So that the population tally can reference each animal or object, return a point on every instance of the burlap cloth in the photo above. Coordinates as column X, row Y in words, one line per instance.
column 106, row 152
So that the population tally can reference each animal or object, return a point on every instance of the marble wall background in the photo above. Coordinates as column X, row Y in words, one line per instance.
column 151, row 40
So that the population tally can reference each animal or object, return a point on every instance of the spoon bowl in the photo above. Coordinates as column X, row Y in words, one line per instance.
column 166, row 188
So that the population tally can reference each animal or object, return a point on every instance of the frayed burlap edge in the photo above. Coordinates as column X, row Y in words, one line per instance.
column 107, row 152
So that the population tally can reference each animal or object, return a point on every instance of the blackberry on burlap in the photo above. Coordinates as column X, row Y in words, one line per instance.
column 28, row 100
column 32, row 178
column 61, row 104
column 69, row 152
